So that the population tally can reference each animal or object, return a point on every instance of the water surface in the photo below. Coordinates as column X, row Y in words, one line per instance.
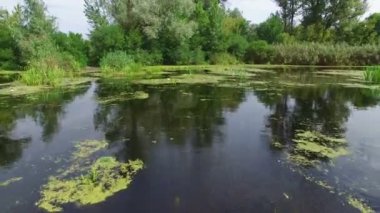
column 206, row 147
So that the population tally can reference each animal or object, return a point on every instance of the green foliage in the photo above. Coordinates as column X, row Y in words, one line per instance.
column 119, row 62
column 51, row 69
column 271, row 30
column 72, row 44
column 258, row 52
column 372, row 74
column 313, row 54
column 105, row 39
column 223, row 59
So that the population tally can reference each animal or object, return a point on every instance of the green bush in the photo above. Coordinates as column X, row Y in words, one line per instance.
column 148, row 58
column 258, row 52
column 51, row 68
column 372, row 74
column 223, row 59
column 119, row 62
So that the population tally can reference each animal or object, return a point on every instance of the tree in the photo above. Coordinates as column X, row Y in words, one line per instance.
column 289, row 11
column 271, row 30
column 331, row 13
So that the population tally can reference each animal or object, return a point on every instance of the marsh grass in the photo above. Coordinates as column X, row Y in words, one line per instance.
column 35, row 77
column 372, row 74
column 119, row 62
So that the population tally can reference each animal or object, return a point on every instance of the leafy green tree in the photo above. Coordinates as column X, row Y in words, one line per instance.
column 8, row 58
column 289, row 9
column 74, row 44
column 326, row 14
column 271, row 30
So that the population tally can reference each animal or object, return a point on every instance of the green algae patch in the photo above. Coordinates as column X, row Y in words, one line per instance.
column 86, row 148
column 277, row 145
column 10, row 181
column 79, row 161
column 19, row 89
column 139, row 95
column 183, row 79
column 313, row 147
column 106, row 177
column 360, row 205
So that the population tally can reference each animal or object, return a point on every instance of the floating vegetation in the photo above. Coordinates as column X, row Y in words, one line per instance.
column 139, row 95
column 360, row 205
column 10, row 181
column 86, row 148
column 86, row 182
column 189, row 78
column 18, row 89
column 105, row 177
column 277, row 145
column 313, row 147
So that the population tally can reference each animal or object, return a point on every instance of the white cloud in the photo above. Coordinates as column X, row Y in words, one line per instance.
column 70, row 15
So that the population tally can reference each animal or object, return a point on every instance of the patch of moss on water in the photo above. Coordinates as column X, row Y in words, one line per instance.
column 86, row 148
column 106, row 177
column 10, row 181
column 19, row 89
column 277, row 145
column 183, row 79
column 313, row 147
column 360, row 205
column 139, row 95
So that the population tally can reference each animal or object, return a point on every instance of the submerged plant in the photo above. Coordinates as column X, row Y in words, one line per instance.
column 360, row 205
column 105, row 177
column 372, row 74
column 10, row 181
column 313, row 147
column 138, row 95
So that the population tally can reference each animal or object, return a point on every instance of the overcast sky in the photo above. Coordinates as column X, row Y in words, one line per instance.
column 71, row 18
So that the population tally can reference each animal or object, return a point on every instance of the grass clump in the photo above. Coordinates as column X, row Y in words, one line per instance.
column 372, row 74
column 360, row 205
column 119, row 62
column 106, row 177
column 50, row 70
column 313, row 147
column 10, row 181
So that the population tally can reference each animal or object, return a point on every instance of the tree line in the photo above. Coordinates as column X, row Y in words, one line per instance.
column 315, row 32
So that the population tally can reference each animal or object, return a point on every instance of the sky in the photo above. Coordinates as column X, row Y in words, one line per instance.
column 70, row 15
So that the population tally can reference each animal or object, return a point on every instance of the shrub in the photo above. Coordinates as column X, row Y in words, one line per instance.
column 372, row 74
column 119, row 62
column 223, row 59
column 50, row 69
column 258, row 52
column 35, row 77
column 148, row 58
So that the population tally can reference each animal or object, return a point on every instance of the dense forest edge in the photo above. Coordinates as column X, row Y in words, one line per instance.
column 127, row 35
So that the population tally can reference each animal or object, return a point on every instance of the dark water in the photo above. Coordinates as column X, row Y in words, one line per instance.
column 206, row 148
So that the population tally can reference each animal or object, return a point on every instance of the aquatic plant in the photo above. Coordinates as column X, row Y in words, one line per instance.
column 10, row 181
column 360, row 205
column 313, row 147
column 138, row 95
column 372, row 74
column 106, row 177
column 84, row 149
